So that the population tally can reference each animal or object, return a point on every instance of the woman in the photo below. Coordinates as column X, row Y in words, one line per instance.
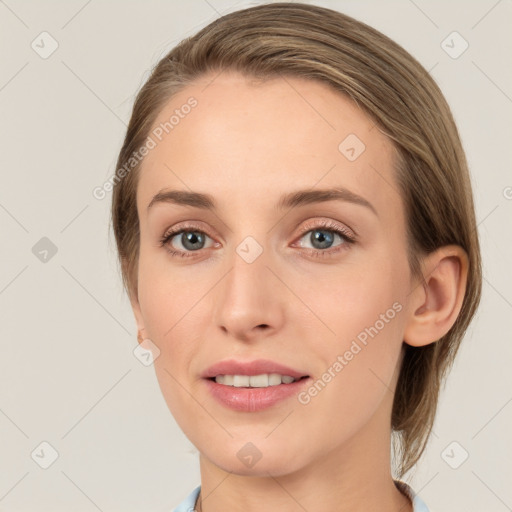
column 296, row 231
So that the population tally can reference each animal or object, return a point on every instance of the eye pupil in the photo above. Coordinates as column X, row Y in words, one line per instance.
column 319, row 236
column 190, row 238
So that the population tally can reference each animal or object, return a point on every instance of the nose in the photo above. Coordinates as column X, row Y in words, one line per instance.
column 250, row 300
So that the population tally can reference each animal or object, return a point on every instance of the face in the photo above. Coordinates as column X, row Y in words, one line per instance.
column 260, row 279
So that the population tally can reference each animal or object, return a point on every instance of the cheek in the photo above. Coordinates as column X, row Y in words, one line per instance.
column 167, row 303
column 167, row 306
column 361, row 296
column 365, row 314
column 359, row 363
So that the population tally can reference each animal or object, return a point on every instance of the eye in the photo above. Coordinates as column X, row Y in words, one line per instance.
column 185, row 241
column 322, row 237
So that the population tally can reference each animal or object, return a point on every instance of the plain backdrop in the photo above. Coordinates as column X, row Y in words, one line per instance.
column 68, row 375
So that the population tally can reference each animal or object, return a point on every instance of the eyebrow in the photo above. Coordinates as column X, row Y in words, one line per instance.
column 289, row 200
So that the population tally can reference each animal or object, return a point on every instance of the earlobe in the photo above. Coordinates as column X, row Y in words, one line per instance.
column 436, row 302
column 138, row 318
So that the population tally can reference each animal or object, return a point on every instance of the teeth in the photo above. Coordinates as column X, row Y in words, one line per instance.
column 274, row 379
column 240, row 381
column 254, row 381
column 258, row 381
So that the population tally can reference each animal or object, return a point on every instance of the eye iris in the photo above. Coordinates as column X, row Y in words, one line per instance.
column 191, row 238
column 319, row 236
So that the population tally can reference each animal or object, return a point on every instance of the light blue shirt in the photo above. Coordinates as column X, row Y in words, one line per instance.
column 187, row 505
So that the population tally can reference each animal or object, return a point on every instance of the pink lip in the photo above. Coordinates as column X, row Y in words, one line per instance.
column 256, row 367
column 252, row 399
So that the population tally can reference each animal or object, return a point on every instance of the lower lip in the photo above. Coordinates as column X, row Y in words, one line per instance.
column 253, row 399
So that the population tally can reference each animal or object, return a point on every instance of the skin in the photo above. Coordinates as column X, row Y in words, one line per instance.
column 246, row 143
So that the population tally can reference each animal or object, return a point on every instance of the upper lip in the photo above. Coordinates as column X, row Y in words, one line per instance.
column 255, row 367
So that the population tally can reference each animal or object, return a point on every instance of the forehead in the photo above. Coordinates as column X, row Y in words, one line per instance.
column 245, row 141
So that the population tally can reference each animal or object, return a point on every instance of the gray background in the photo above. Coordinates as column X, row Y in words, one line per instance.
column 68, row 375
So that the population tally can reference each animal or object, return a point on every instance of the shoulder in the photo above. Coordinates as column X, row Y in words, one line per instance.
column 187, row 505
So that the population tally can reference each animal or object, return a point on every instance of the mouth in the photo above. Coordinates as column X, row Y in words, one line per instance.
column 263, row 380
column 238, row 392
column 262, row 371
column 241, row 398
column 252, row 386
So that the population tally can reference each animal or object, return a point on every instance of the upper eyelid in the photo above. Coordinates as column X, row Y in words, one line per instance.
column 187, row 227
column 329, row 225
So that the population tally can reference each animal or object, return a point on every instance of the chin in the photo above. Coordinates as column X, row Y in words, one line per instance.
column 258, row 459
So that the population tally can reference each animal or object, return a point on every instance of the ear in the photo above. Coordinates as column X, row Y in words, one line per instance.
column 435, row 302
column 134, row 301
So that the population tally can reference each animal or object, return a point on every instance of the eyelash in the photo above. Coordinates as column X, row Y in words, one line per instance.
column 346, row 235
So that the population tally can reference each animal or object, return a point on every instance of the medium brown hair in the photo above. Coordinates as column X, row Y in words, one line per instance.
column 399, row 95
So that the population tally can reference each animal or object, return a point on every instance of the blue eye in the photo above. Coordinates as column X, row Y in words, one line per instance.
column 321, row 237
column 191, row 241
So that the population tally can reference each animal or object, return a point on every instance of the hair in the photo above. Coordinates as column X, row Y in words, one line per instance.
column 398, row 94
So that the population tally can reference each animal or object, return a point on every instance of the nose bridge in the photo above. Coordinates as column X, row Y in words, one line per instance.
column 248, row 297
